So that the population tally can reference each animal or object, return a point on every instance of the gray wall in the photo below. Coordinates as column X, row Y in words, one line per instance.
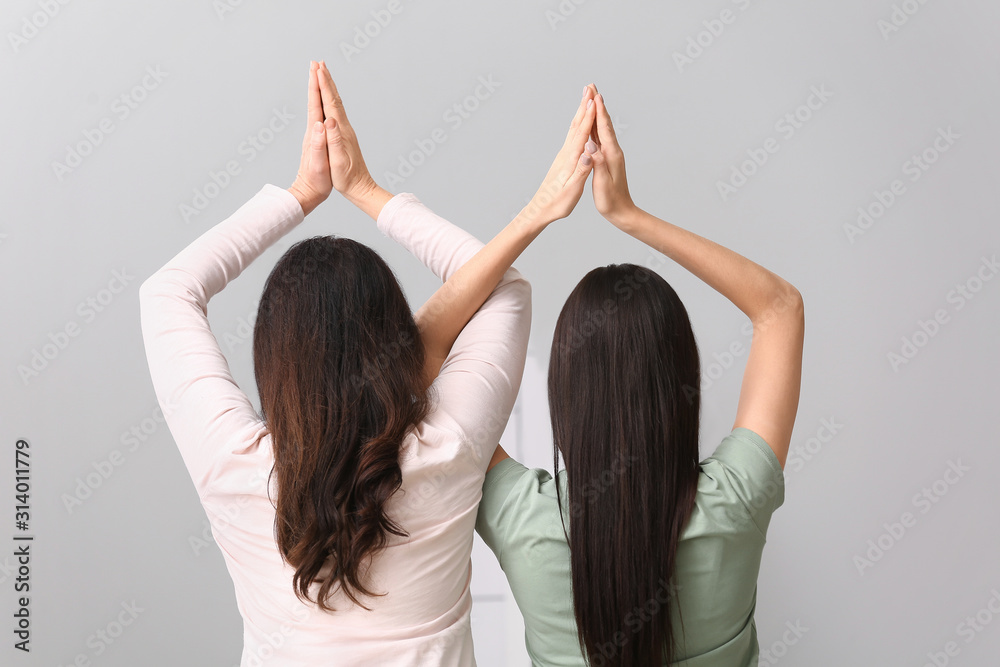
column 879, row 556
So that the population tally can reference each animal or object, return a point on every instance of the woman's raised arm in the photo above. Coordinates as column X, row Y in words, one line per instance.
column 769, row 395
column 201, row 402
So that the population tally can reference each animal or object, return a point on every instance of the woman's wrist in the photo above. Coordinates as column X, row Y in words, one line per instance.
column 533, row 219
column 306, row 201
column 627, row 219
column 529, row 225
column 369, row 197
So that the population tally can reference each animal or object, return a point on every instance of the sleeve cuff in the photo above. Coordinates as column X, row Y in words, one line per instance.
column 777, row 475
column 500, row 472
column 750, row 437
column 387, row 215
column 287, row 200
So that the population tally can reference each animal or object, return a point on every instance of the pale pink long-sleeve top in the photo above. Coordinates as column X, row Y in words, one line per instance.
column 423, row 618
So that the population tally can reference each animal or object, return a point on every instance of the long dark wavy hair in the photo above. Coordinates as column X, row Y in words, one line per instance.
column 338, row 364
column 624, row 400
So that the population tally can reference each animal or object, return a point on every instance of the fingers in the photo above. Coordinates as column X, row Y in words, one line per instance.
column 581, row 133
column 314, row 107
column 315, row 99
column 593, row 130
column 605, row 130
column 333, row 106
column 588, row 94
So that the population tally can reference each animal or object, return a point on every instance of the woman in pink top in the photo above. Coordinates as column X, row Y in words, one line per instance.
column 345, row 511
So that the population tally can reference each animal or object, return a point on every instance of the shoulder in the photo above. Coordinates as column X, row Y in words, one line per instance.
column 510, row 479
column 743, row 471
column 516, row 500
column 743, row 448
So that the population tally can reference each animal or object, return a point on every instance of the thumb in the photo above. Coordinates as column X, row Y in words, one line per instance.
column 579, row 175
column 600, row 165
column 338, row 159
column 333, row 135
column 317, row 141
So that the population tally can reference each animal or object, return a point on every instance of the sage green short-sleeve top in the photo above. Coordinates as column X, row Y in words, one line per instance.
column 718, row 558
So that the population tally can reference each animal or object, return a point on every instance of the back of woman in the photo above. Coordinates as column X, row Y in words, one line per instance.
column 714, row 585
column 422, row 612
column 413, row 604
column 639, row 553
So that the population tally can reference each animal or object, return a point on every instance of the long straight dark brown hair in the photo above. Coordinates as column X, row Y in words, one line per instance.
column 624, row 402
column 338, row 364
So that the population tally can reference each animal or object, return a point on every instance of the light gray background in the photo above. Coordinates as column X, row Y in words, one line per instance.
column 140, row 536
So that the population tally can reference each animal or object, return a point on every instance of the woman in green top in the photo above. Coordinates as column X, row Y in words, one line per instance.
column 663, row 550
